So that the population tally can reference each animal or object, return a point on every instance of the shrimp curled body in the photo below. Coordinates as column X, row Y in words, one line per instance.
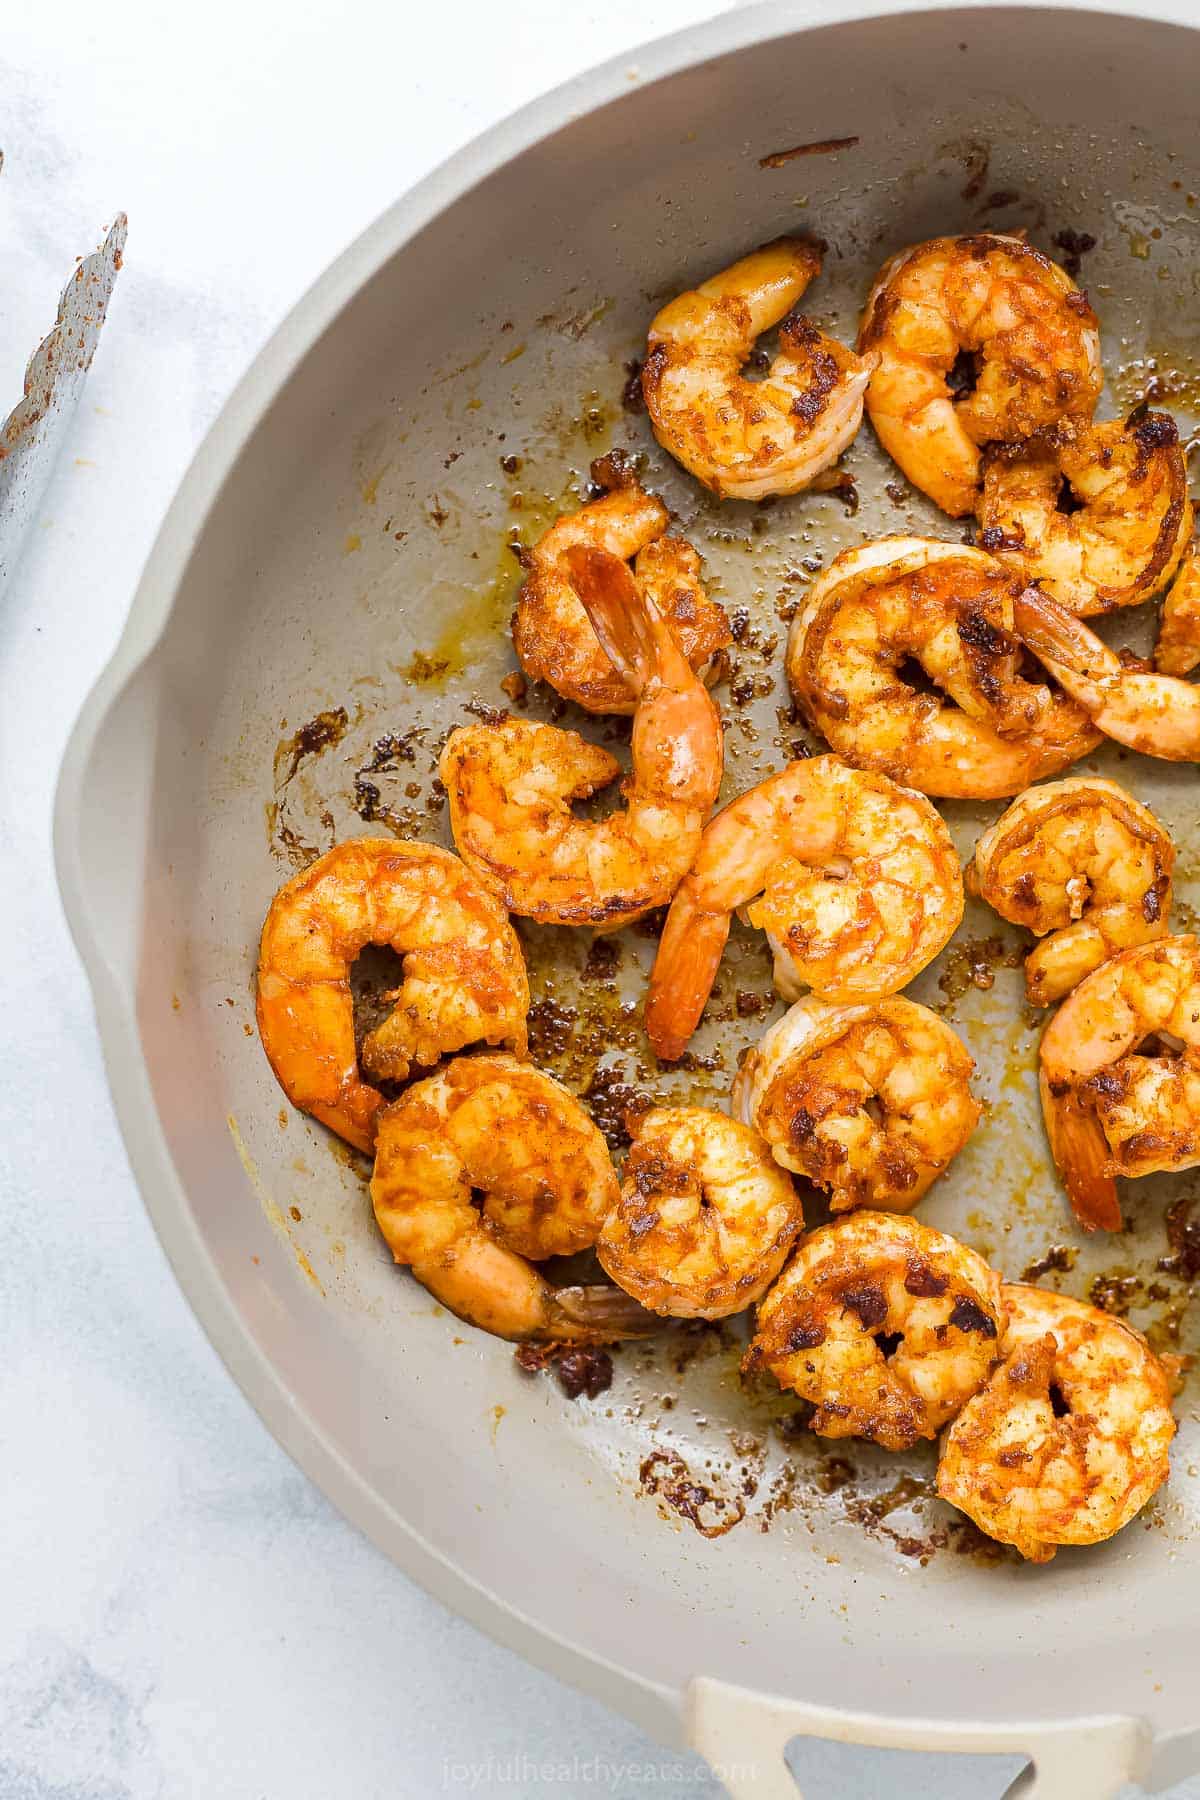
column 491, row 1125
column 464, row 975
column 855, row 880
column 870, row 1103
column 1177, row 651
column 1132, row 524
column 553, row 637
column 1069, row 1437
column 1086, row 868
column 511, row 785
column 705, row 1219
column 1027, row 329
column 1142, row 709
column 952, row 609
column 1109, row 1110
column 885, row 1325
column 747, row 439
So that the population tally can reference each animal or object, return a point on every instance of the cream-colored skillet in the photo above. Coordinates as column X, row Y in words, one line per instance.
column 430, row 396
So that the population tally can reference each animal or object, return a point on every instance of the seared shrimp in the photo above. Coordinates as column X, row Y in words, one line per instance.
column 855, row 880
column 1177, row 651
column 554, row 640
column 1069, row 1437
column 464, row 975
column 705, row 1219
column 511, row 785
column 1111, row 1110
column 871, row 1103
column 497, row 1128
column 1086, row 868
column 1132, row 522
column 951, row 609
column 1156, row 714
column 886, row 1326
column 1030, row 335
column 746, row 439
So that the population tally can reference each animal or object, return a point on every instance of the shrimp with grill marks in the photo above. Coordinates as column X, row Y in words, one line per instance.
column 1156, row 714
column 1086, row 868
column 464, row 975
column 1132, row 523
column 552, row 634
column 1069, row 1437
column 746, row 439
column 855, row 881
column 951, row 609
column 1011, row 322
column 705, row 1219
column 511, row 785
column 492, row 1127
column 1120, row 1075
column 871, row 1103
column 886, row 1326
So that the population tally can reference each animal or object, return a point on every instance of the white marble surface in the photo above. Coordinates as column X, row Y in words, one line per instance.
column 181, row 1613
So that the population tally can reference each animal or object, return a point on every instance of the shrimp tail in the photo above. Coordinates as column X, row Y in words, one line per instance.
column 689, row 955
column 598, row 1314
column 1064, row 644
column 1081, row 1155
column 1157, row 714
column 353, row 1116
column 624, row 618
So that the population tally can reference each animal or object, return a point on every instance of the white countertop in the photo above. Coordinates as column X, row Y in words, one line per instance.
column 181, row 1613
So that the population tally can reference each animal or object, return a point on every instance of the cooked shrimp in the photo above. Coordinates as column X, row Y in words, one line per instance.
column 706, row 1216
column 1156, row 714
column 511, row 785
column 1120, row 1075
column 949, row 608
column 1027, row 329
column 746, row 439
column 555, row 642
column 855, row 880
column 871, row 1103
column 1082, row 865
column 494, row 1127
column 464, row 975
column 1069, row 1436
column 1131, row 525
column 1177, row 651
column 885, row 1325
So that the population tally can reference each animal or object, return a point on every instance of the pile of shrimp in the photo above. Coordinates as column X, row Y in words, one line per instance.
column 977, row 362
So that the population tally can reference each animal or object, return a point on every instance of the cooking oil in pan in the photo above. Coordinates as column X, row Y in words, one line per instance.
column 708, row 1450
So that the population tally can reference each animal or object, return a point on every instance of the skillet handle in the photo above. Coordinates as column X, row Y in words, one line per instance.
column 743, row 1735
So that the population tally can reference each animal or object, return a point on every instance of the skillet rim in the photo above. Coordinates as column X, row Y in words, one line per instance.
column 653, row 1706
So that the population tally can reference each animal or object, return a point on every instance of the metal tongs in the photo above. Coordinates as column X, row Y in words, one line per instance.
column 34, row 432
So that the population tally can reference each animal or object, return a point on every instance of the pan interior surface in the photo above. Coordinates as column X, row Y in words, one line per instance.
column 346, row 603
